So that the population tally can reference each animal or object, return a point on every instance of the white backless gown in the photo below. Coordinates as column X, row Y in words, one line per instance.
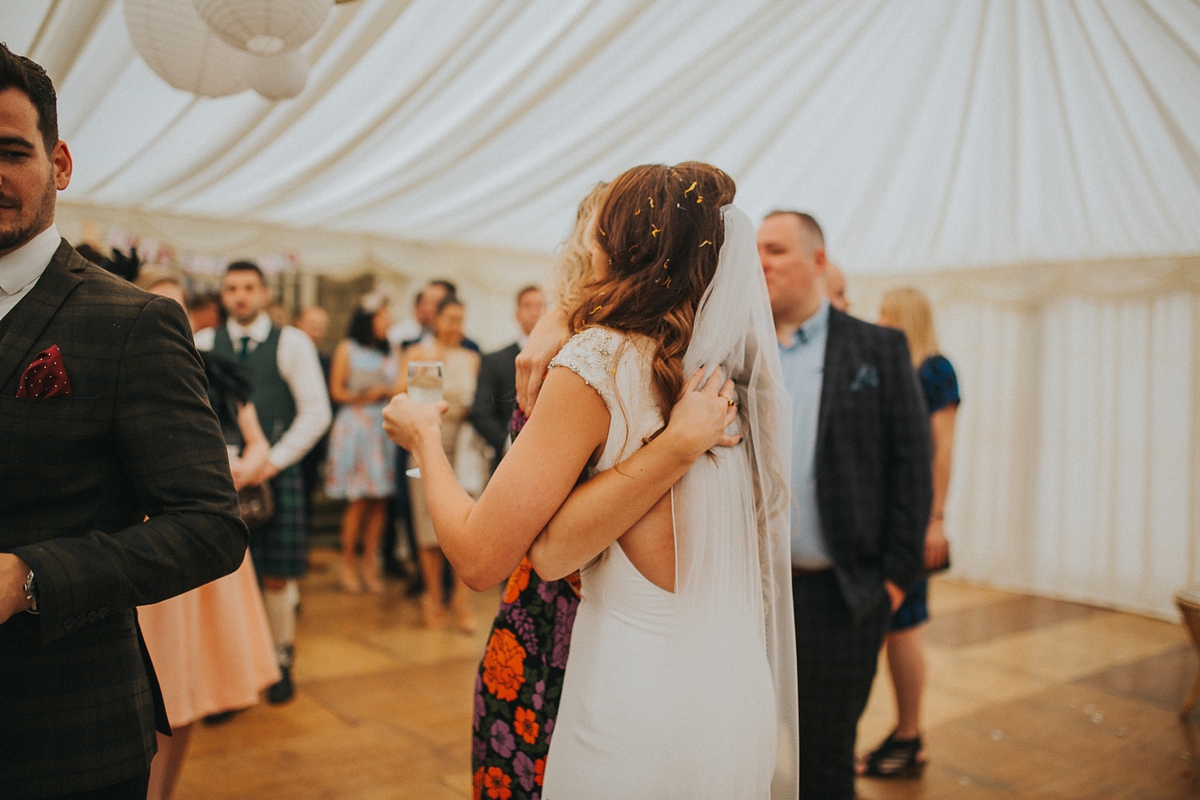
column 626, row 725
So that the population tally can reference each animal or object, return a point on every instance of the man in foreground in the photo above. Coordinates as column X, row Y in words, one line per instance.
column 862, row 478
column 114, row 483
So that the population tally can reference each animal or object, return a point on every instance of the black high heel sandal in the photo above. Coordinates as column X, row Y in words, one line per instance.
column 895, row 758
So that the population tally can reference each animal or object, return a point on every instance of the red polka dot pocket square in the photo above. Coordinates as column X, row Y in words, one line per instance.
column 46, row 377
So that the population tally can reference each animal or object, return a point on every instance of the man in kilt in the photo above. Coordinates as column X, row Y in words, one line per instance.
column 293, row 407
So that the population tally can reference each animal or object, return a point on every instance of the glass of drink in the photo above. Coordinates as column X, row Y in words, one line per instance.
column 424, row 386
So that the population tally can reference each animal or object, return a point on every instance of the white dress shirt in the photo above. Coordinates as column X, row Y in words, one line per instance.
column 300, row 368
column 20, row 269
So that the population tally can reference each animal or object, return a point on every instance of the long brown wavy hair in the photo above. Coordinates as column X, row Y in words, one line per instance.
column 661, row 229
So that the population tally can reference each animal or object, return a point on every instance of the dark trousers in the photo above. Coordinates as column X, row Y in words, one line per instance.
column 132, row 789
column 836, row 662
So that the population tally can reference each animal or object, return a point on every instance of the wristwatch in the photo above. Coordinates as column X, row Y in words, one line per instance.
column 31, row 594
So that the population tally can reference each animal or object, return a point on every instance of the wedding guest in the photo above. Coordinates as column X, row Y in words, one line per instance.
column 861, row 477
column 362, row 462
column 314, row 322
column 532, row 606
column 211, row 647
column 116, row 485
column 420, row 325
column 402, row 335
column 204, row 311
column 460, row 371
column 293, row 406
column 901, row 754
column 496, row 394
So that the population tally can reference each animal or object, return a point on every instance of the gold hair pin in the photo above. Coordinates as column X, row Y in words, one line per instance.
column 690, row 188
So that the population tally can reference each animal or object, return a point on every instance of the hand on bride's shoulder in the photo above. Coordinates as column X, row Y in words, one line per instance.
column 701, row 415
column 545, row 340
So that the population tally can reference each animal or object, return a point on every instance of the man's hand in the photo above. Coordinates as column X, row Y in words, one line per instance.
column 937, row 549
column 895, row 594
column 13, row 572
column 545, row 340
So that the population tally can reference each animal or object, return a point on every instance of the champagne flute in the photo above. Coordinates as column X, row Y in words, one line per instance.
column 424, row 386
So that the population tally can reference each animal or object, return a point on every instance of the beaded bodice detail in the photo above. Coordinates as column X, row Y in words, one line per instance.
column 618, row 368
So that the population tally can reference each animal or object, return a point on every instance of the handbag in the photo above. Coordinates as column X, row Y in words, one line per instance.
column 257, row 504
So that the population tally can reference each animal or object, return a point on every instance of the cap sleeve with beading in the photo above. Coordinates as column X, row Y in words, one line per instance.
column 591, row 354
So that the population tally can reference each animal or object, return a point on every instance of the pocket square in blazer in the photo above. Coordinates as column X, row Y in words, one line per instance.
column 867, row 377
column 45, row 377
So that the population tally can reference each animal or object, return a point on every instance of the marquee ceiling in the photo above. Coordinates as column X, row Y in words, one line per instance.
column 924, row 135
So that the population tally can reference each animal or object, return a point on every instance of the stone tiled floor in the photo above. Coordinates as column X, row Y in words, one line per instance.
column 1028, row 698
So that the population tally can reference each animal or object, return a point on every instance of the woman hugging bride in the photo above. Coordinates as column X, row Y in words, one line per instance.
column 680, row 680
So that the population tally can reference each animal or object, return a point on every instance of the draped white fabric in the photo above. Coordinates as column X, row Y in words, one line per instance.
column 923, row 135
column 733, row 592
column 1077, row 458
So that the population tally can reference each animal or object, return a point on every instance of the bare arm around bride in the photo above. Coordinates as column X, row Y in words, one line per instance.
column 534, row 490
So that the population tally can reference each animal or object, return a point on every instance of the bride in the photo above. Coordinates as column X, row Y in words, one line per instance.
column 681, row 677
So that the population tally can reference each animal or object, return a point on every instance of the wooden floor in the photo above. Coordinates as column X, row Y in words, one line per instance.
column 1027, row 698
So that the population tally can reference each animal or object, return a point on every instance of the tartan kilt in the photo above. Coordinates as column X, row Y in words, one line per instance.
column 280, row 548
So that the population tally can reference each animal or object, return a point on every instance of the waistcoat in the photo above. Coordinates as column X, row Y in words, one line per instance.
column 272, row 397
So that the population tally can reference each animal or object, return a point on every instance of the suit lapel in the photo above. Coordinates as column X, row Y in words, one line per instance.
column 37, row 309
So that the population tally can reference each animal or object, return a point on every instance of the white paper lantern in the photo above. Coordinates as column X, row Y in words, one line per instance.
column 278, row 77
column 174, row 41
column 265, row 27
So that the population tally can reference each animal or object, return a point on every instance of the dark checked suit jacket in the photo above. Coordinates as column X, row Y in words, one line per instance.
column 495, row 397
column 873, row 461
column 78, row 699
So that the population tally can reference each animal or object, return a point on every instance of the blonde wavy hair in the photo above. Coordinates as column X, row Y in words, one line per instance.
column 908, row 310
column 574, row 270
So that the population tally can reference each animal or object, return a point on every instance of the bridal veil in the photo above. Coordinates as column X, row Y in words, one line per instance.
column 735, row 628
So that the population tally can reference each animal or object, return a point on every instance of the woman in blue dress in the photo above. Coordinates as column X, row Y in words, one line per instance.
column 361, row 466
column 902, row 754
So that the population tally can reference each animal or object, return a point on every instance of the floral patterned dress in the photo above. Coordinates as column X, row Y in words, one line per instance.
column 520, row 682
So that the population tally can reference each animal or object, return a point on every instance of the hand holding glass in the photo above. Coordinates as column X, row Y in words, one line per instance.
column 425, row 387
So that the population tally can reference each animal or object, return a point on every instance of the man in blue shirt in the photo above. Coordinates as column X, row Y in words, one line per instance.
column 862, row 477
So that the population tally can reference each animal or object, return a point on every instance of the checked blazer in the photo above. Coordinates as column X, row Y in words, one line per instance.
column 79, row 702
column 873, row 461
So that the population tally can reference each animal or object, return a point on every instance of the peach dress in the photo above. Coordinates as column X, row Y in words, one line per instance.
column 211, row 647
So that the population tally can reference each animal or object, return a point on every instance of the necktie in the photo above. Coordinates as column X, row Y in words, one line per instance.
column 244, row 353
